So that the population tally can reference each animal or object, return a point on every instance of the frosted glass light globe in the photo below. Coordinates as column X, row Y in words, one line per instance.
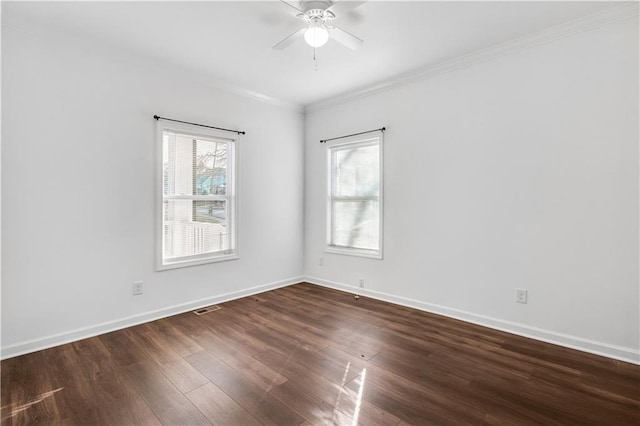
column 316, row 36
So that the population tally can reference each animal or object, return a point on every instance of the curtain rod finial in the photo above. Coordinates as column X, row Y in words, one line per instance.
column 156, row 117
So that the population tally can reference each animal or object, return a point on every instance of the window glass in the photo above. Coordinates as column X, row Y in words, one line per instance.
column 198, row 198
column 355, row 202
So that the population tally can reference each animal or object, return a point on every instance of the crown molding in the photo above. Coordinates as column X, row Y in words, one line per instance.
column 570, row 28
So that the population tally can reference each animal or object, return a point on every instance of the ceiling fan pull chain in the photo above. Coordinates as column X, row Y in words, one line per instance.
column 315, row 59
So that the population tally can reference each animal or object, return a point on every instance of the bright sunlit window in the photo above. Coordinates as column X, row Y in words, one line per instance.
column 355, row 197
column 198, row 206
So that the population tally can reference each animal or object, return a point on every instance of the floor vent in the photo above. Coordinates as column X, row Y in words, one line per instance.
column 206, row 310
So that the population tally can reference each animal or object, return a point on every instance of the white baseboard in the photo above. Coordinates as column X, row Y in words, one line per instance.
column 106, row 327
column 599, row 348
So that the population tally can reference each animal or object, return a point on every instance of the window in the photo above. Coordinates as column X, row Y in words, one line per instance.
column 355, row 197
column 198, row 207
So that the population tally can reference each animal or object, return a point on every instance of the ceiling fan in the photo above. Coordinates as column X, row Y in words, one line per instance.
column 317, row 16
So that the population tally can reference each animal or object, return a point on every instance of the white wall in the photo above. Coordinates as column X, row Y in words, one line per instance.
column 78, row 189
column 517, row 172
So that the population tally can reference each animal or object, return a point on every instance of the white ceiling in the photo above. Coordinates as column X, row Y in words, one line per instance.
column 231, row 41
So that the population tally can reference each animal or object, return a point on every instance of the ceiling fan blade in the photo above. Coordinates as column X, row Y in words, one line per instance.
column 343, row 37
column 341, row 7
column 287, row 41
column 292, row 10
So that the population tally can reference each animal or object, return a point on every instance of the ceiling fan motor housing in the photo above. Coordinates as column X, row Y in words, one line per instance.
column 307, row 6
column 315, row 15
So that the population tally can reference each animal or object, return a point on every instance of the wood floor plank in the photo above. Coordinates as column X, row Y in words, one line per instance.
column 290, row 319
column 334, row 369
column 94, row 394
column 122, row 349
column 170, row 405
column 264, row 407
column 418, row 367
column 182, row 344
column 219, row 408
column 177, row 370
column 27, row 393
column 359, row 343
column 283, row 343
column 233, row 332
column 526, row 396
column 76, row 399
column 311, row 355
column 117, row 406
column 311, row 407
column 251, row 368
column 343, row 403
column 427, row 405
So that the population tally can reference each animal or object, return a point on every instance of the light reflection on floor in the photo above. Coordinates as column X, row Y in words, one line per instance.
column 356, row 414
column 12, row 410
column 336, row 406
column 342, row 391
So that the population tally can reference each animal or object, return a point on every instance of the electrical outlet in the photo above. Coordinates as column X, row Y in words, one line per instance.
column 137, row 288
column 361, row 283
column 321, row 261
column 521, row 295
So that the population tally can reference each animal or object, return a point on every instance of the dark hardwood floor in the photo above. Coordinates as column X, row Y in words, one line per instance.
column 310, row 355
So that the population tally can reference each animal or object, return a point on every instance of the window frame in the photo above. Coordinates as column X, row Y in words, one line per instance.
column 354, row 142
column 231, row 197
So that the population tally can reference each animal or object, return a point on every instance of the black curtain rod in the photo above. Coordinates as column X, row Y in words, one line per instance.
column 157, row 117
column 382, row 129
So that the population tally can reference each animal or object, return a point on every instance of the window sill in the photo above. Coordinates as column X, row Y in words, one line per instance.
column 371, row 254
column 194, row 262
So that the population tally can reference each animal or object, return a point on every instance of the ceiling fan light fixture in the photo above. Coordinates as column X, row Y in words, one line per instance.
column 316, row 35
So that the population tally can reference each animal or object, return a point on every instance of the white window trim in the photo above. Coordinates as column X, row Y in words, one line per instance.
column 204, row 258
column 354, row 141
